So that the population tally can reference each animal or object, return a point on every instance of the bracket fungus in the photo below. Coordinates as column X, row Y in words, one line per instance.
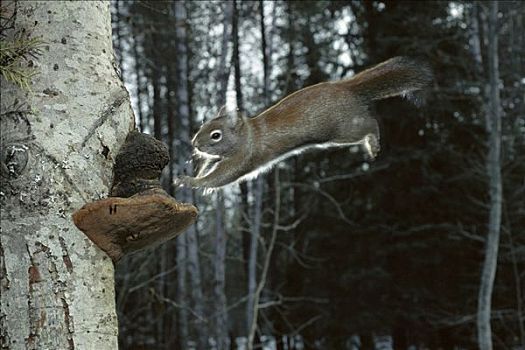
column 139, row 213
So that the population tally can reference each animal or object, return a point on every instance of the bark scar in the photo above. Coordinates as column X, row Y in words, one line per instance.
column 65, row 255
column 67, row 320
column 106, row 113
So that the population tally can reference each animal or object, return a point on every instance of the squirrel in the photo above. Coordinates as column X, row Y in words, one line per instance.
column 233, row 148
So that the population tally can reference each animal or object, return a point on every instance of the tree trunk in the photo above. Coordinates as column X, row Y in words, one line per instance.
column 157, row 102
column 221, row 312
column 255, row 290
column 517, row 280
column 181, row 296
column 267, row 260
column 119, row 49
column 194, row 271
column 138, row 81
column 182, row 116
column 58, row 145
column 159, row 127
column 223, row 73
column 235, row 55
column 240, row 106
column 488, row 273
column 219, row 265
column 255, row 228
column 193, row 261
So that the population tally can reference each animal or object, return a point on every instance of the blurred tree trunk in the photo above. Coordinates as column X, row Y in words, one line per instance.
column 182, row 294
column 255, row 232
column 159, row 262
column 157, row 101
column 223, row 73
column 219, row 265
column 493, row 125
column 517, row 53
column 171, row 108
column 265, row 56
column 58, row 146
column 517, row 281
column 138, row 76
column 221, row 311
column 240, row 106
column 370, row 33
column 367, row 341
column 116, row 20
column 253, row 290
column 256, row 216
column 192, row 245
column 235, row 55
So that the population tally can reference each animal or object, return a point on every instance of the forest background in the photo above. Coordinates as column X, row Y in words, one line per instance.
column 330, row 250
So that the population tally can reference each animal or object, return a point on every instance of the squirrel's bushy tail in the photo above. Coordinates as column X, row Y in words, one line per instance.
column 397, row 76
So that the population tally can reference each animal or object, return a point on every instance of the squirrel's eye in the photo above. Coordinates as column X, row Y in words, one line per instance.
column 216, row 135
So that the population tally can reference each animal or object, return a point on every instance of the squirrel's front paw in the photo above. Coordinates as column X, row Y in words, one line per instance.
column 183, row 181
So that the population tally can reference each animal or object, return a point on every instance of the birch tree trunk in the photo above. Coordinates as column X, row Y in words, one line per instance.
column 58, row 145
column 493, row 116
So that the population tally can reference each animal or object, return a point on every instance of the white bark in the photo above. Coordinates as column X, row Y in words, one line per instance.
column 493, row 111
column 57, row 287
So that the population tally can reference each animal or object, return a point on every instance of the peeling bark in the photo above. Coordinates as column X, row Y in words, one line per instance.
column 58, row 146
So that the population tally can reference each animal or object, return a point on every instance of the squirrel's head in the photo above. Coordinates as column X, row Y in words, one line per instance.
column 220, row 136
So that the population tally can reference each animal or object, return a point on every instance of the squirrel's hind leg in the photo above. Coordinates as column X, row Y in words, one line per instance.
column 371, row 144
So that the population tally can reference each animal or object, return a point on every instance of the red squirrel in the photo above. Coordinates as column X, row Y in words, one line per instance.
column 234, row 148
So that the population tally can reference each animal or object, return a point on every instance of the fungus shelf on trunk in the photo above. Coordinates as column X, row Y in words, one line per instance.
column 139, row 214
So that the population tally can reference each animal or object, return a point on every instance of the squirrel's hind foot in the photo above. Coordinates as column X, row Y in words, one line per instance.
column 371, row 144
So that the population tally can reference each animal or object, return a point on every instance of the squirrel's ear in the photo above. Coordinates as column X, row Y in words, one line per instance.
column 235, row 118
column 221, row 112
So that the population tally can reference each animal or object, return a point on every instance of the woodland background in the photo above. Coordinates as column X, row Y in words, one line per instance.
column 334, row 251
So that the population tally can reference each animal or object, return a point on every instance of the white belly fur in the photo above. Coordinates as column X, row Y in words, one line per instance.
column 268, row 166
